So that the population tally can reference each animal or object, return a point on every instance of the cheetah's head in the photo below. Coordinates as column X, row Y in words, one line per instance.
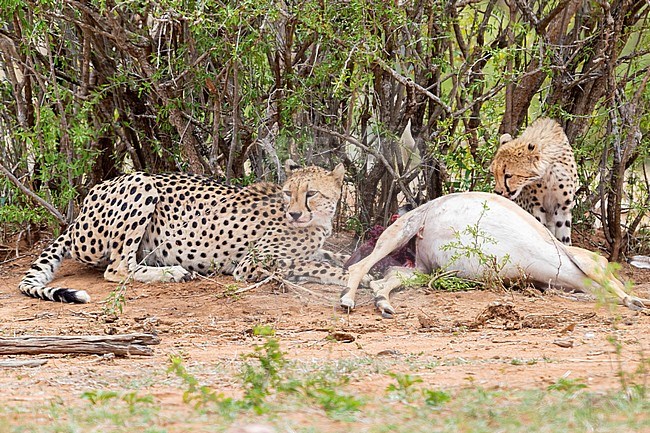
column 527, row 158
column 516, row 164
column 311, row 194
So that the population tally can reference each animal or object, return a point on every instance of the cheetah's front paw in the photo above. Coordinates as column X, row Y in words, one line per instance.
column 165, row 274
column 176, row 274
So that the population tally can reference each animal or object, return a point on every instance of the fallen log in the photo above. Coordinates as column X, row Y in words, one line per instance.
column 120, row 345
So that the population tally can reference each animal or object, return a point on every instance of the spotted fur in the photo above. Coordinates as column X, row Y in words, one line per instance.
column 538, row 171
column 165, row 227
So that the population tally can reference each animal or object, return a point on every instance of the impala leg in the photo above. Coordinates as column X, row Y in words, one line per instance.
column 381, row 289
column 356, row 274
column 597, row 269
column 384, row 246
column 395, row 236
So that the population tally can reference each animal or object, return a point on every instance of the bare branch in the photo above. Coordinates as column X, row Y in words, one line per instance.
column 51, row 209
column 410, row 83
column 374, row 153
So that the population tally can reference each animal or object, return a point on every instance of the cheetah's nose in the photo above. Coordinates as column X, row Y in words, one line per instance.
column 295, row 215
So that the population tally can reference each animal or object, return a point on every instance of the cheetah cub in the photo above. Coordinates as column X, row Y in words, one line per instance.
column 165, row 227
column 538, row 171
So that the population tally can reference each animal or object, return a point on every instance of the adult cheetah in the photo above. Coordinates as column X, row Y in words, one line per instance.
column 164, row 227
column 538, row 171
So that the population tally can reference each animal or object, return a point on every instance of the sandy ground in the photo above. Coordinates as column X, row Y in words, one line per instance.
column 451, row 340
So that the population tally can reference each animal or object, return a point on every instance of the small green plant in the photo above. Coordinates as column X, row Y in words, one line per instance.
column 334, row 402
column 261, row 377
column 133, row 400
column 230, row 291
column 441, row 280
column 18, row 214
column 263, row 374
column 200, row 395
column 115, row 301
column 567, row 385
column 491, row 265
column 519, row 361
column 245, row 180
column 325, row 389
column 435, row 398
column 633, row 383
column 99, row 396
column 463, row 166
column 403, row 389
column 354, row 224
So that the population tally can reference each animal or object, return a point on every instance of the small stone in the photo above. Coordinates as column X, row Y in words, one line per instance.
column 563, row 343
column 389, row 352
column 343, row 337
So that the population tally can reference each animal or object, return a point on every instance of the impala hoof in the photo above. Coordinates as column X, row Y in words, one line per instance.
column 633, row 303
column 347, row 303
column 387, row 310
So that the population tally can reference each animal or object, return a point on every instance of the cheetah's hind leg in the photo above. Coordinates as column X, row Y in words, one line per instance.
column 123, row 263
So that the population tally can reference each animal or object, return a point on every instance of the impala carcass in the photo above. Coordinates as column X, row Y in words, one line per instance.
column 458, row 232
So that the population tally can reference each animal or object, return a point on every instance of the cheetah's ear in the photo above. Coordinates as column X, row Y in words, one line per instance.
column 504, row 139
column 339, row 172
column 290, row 166
column 533, row 152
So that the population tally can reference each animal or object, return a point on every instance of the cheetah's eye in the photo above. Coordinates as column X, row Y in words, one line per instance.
column 508, row 176
column 311, row 193
column 287, row 194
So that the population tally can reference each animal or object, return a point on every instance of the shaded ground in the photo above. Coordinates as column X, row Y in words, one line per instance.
column 450, row 340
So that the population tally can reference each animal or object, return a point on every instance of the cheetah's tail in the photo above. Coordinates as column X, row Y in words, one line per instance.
column 42, row 272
